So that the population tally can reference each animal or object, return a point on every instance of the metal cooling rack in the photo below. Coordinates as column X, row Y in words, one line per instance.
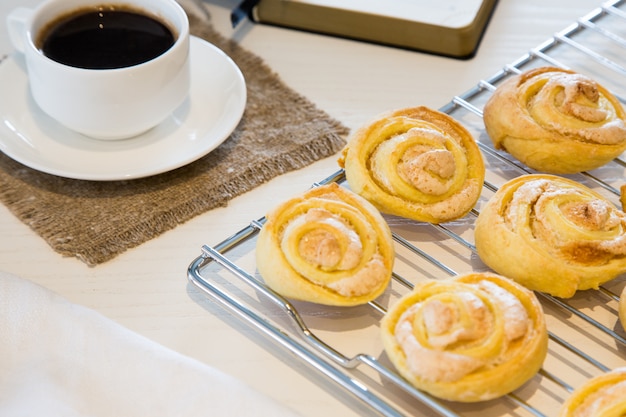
column 585, row 335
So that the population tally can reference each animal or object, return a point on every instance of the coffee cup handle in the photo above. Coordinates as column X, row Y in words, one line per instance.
column 16, row 24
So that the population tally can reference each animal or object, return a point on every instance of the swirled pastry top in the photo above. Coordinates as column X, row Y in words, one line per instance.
column 472, row 338
column 552, row 234
column 556, row 121
column 416, row 163
column 328, row 246
column 603, row 395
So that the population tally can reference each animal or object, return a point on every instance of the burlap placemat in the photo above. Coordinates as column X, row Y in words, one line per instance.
column 95, row 221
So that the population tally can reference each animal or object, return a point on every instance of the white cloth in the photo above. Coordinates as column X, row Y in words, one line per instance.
column 61, row 359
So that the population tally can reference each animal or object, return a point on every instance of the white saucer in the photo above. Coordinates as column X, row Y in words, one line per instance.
column 214, row 108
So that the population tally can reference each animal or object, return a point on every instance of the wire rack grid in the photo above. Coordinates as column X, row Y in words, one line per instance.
column 342, row 345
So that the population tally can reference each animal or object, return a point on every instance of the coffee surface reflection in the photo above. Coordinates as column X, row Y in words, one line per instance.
column 105, row 38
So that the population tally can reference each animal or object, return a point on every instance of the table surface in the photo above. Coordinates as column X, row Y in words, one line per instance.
column 146, row 289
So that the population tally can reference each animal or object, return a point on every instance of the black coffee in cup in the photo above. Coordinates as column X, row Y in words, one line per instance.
column 105, row 37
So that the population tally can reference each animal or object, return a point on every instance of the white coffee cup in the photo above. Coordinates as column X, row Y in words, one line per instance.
column 105, row 103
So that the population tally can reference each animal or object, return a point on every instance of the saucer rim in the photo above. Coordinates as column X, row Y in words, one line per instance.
column 226, row 125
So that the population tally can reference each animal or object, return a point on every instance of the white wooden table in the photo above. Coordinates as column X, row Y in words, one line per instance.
column 146, row 290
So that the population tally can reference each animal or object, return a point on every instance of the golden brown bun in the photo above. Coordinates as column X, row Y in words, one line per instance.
column 600, row 396
column 416, row 163
column 552, row 234
column 471, row 338
column 556, row 121
column 327, row 246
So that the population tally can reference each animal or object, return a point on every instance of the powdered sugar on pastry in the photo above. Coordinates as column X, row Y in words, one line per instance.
column 446, row 326
column 322, row 247
column 515, row 315
column 556, row 121
column 578, row 97
column 584, row 214
column 363, row 281
column 433, row 362
column 417, row 163
column 598, row 401
column 427, row 168
column 327, row 246
column 335, row 246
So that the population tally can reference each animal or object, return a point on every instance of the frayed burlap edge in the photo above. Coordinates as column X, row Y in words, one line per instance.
column 59, row 209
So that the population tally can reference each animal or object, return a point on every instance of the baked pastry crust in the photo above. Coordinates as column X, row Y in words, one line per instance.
column 556, row 121
column 602, row 395
column 327, row 246
column 552, row 234
column 471, row 338
column 416, row 163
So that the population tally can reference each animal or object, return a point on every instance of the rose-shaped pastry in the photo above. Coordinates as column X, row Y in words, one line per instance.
column 471, row 338
column 552, row 234
column 417, row 163
column 600, row 396
column 556, row 121
column 327, row 246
